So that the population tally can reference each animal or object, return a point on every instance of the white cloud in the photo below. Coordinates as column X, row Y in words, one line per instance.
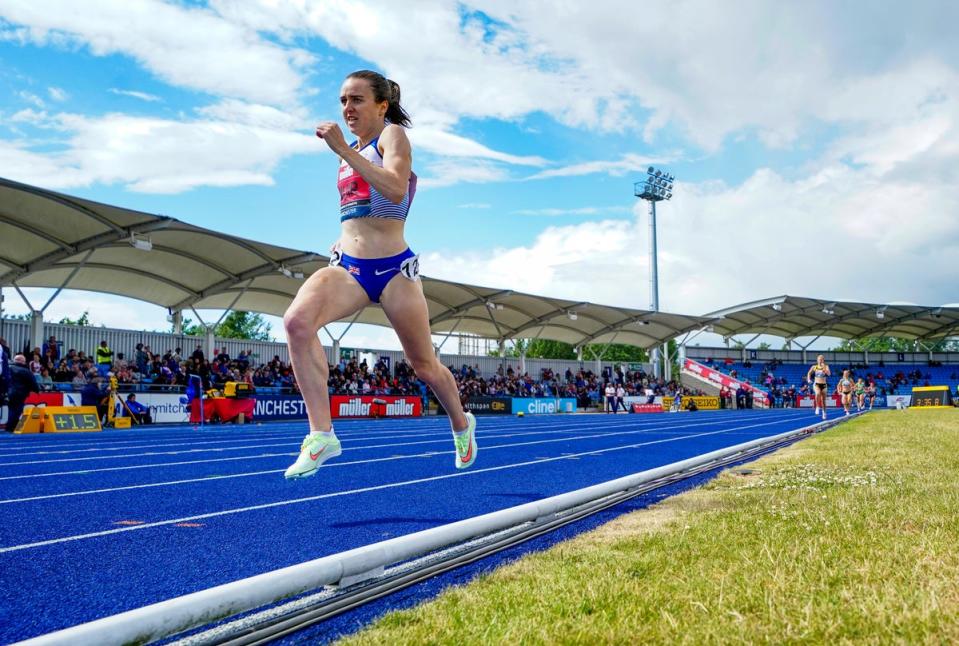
column 587, row 210
column 448, row 172
column 58, row 94
column 143, row 96
column 32, row 99
column 836, row 230
column 30, row 116
column 447, row 144
column 628, row 163
column 189, row 47
column 148, row 154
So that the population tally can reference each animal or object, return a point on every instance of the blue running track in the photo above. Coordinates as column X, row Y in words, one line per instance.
column 92, row 525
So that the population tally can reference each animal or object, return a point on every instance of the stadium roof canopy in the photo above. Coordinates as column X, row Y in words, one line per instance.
column 791, row 317
column 49, row 239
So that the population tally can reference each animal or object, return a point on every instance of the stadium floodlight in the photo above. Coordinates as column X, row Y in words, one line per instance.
column 657, row 186
column 572, row 315
column 143, row 243
column 881, row 312
column 778, row 307
column 829, row 309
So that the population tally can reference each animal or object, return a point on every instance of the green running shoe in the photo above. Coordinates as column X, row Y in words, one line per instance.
column 315, row 450
column 466, row 444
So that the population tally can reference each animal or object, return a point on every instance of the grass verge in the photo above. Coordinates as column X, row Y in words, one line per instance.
column 848, row 536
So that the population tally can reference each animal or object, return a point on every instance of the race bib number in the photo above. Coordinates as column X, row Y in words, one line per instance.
column 335, row 257
column 411, row 267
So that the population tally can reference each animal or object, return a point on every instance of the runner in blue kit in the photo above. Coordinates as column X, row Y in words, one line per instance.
column 370, row 263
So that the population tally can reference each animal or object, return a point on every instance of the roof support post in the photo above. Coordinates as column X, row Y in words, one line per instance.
column 67, row 281
column 233, row 303
column 36, row 320
column 36, row 328
column 336, row 339
column 522, row 362
column 23, row 297
column 437, row 348
column 210, row 340
column 209, row 334
column 177, row 322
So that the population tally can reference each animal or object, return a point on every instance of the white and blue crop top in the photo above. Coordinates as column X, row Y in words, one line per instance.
column 358, row 199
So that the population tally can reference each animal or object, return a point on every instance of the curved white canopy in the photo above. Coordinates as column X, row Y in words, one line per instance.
column 793, row 316
column 48, row 239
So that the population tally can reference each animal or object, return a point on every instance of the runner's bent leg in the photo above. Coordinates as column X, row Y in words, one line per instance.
column 405, row 307
column 328, row 295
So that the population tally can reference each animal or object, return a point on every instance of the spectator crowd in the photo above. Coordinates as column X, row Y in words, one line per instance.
column 143, row 369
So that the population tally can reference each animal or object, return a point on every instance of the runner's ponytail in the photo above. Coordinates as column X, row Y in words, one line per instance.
column 386, row 90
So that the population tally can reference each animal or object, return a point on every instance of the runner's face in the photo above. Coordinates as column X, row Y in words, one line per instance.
column 362, row 114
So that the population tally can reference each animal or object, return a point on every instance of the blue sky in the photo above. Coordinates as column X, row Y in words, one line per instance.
column 815, row 146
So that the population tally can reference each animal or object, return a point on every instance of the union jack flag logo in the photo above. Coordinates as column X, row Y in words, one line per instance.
column 354, row 270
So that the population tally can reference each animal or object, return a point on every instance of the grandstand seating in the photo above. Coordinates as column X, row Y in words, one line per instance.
column 795, row 374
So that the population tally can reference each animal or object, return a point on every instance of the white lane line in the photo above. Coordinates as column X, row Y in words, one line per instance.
column 355, row 462
column 391, row 458
column 293, row 439
column 293, row 430
column 269, row 455
column 273, row 455
column 651, row 427
column 485, row 429
column 392, row 485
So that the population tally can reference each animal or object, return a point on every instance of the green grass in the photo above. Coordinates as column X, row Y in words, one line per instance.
column 848, row 536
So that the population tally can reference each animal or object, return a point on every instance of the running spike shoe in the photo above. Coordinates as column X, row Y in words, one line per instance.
column 315, row 450
column 465, row 442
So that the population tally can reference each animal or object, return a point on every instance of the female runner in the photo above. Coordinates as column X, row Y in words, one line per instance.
column 860, row 394
column 371, row 263
column 817, row 377
column 845, row 390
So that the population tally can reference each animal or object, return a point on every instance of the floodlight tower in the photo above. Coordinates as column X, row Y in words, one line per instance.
column 657, row 186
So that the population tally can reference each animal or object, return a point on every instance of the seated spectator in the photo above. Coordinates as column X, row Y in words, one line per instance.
column 63, row 373
column 44, row 380
column 140, row 412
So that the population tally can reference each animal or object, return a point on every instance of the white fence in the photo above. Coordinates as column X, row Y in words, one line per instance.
column 87, row 338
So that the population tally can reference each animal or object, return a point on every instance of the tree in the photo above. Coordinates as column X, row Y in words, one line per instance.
column 617, row 352
column 546, row 349
column 190, row 328
column 236, row 325
column 244, row 325
column 894, row 344
column 82, row 321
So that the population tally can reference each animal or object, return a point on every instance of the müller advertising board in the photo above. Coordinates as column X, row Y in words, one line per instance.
column 375, row 405
column 275, row 407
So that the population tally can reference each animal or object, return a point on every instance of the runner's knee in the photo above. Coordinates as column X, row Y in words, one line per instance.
column 427, row 369
column 298, row 325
